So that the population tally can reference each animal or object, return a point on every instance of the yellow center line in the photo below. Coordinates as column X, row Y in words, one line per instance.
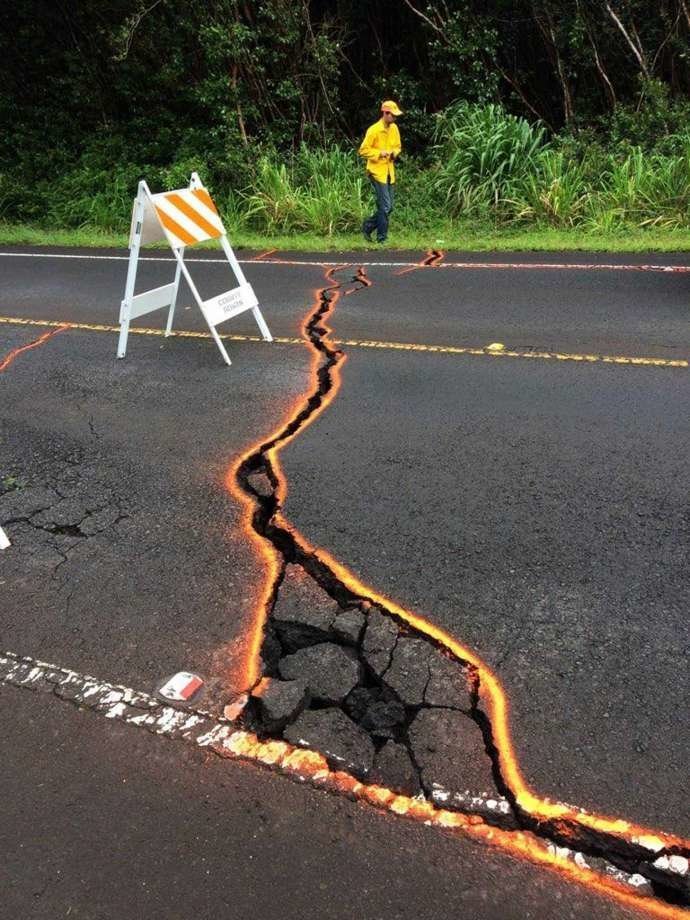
column 485, row 351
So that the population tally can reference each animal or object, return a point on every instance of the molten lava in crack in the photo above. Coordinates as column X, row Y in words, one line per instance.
column 544, row 829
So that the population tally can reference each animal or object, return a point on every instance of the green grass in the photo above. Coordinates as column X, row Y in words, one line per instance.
column 469, row 238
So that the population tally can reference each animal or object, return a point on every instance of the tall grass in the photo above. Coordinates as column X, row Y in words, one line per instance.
column 554, row 192
column 317, row 190
column 481, row 153
column 645, row 189
column 487, row 167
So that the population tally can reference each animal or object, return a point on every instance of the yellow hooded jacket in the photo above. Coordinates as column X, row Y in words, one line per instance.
column 381, row 137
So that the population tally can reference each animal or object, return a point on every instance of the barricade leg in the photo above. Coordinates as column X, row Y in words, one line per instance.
column 135, row 243
column 219, row 343
column 171, row 312
column 239, row 274
column 197, row 297
column 261, row 323
column 232, row 259
column 124, row 331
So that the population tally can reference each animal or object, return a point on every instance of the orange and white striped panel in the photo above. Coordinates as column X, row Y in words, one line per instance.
column 188, row 216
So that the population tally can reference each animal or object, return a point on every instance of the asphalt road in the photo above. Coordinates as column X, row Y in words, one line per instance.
column 605, row 311
column 100, row 822
column 535, row 508
column 539, row 513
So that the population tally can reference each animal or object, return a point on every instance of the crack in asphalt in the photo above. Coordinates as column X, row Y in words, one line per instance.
column 620, row 849
column 619, row 843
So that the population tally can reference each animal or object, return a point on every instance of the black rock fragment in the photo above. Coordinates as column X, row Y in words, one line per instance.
column 271, row 653
column 377, row 711
column 329, row 671
column 329, row 731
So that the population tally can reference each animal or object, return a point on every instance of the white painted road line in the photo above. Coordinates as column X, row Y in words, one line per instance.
column 467, row 266
column 4, row 539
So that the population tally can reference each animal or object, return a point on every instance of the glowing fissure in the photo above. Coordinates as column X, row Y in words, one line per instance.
column 433, row 259
column 361, row 280
column 541, row 823
column 9, row 358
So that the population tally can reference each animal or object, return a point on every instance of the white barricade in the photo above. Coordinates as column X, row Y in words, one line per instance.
column 183, row 217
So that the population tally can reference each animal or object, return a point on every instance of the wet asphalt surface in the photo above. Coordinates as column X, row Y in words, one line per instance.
column 535, row 509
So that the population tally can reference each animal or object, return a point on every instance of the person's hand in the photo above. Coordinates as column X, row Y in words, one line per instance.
column 384, row 155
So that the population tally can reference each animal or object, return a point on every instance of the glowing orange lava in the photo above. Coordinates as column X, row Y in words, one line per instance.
column 35, row 344
column 362, row 278
column 314, row 766
column 432, row 259
column 251, row 667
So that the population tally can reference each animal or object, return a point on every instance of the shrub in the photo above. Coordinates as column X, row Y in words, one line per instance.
column 482, row 152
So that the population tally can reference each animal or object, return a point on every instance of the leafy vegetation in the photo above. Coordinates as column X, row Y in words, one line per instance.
column 521, row 115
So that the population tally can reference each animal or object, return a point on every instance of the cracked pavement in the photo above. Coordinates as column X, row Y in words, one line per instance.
column 124, row 524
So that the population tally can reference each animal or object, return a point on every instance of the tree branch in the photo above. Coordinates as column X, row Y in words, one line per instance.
column 426, row 19
column 133, row 24
column 637, row 51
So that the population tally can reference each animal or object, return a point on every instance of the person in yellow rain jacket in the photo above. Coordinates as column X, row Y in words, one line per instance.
column 380, row 148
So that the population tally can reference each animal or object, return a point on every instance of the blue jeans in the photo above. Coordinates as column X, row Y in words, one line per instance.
column 385, row 199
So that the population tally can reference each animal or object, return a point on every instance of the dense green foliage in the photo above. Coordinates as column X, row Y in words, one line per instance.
column 556, row 112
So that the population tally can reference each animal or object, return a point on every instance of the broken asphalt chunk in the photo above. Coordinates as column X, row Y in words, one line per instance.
column 330, row 732
column 329, row 671
column 303, row 613
column 393, row 768
column 408, row 673
column 379, row 641
column 449, row 683
column 279, row 702
column 98, row 521
column 22, row 503
column 260, row 484
column 348, row 626
column 449, row 750
column 67, row 512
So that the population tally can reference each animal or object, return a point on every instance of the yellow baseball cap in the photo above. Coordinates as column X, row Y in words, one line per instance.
column 390, row 106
